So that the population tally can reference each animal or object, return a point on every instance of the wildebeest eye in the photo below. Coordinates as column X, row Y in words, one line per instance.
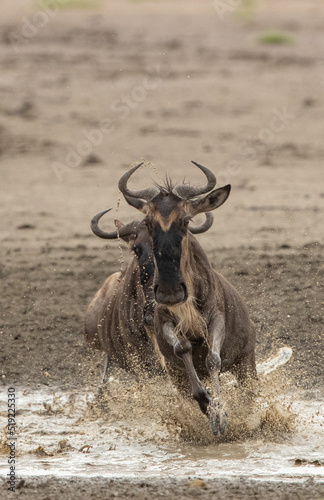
column 148, row 224
column 137, row 249
column 186, row 221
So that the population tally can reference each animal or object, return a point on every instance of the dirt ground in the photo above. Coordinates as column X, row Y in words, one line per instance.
column 84, row 93
column 148, row 490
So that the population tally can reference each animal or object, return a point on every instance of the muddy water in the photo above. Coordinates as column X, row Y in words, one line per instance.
column 146, row 429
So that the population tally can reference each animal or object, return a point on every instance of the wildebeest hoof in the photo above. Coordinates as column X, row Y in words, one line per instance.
column 217, row 418
column 102, row 398
column 204, row 400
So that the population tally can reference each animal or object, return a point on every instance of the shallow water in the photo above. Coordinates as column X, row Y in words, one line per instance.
column 66, row 434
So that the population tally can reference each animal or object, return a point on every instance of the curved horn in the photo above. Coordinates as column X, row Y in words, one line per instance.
column 130, row 228
column 205, row 226
column 146, row 194
column 187, row 192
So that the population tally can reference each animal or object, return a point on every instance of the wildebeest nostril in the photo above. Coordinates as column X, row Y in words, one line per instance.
column 170, row 295
column 185, row 290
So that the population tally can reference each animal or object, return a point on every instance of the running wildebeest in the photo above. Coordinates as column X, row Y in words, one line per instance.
column 119, row 319
column 120, row 316
column 201, row 324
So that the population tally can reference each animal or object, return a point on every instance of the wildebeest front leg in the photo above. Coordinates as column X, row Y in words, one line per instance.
column 216, row 413
column 105, row 372
column 182, row 349
column 105, row 376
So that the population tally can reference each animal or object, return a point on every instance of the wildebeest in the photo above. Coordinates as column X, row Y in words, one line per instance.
column 201, row 324
column 119, row 319
column 120, row 316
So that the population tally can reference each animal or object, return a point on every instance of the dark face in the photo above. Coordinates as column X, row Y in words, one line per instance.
column 142, row 248
column 168, row 225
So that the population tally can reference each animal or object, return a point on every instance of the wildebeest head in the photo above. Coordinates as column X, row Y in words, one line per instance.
column 137, row 236
column 160, row 240
column 168, row 210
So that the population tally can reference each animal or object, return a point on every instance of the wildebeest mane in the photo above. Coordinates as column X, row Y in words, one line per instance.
column 169, row 186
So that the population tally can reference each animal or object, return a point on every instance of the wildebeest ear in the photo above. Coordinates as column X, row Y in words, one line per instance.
column 213, row 200
column 141, row 205
column 127, row 237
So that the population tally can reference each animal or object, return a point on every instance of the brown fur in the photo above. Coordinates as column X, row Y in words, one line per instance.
column 189, row 323
column 201, row 325
column 115, row 320
column 97, row 307
column 213, row 295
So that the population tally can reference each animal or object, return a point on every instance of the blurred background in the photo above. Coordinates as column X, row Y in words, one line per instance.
column 89, row 87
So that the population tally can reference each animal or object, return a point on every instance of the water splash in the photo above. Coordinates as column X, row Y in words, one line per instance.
column 144, row 427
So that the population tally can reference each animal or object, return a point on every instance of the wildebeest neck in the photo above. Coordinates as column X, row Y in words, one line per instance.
column 146, row 270
column 145, row 264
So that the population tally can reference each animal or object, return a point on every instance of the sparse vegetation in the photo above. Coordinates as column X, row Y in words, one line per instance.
column 69, row 4
column 275, row 38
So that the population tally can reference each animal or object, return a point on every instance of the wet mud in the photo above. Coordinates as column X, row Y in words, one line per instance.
column 145, row 429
